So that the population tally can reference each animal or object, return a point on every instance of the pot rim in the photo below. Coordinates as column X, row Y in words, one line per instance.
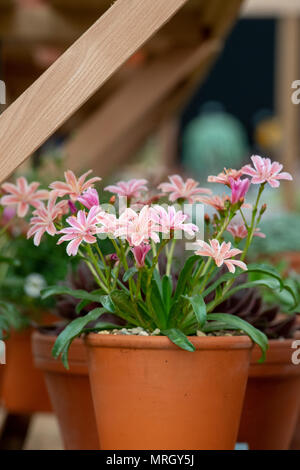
column 42, row 353
column 278, row 359
column 163, row 342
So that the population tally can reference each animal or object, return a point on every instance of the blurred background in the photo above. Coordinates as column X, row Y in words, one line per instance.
column 213, row 87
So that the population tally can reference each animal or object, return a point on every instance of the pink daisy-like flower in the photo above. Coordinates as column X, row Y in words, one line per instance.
column 73, row 187
column 180, row 189
column 130, row 189
column 82, row 228
column 22, row 195
column 224, row 176
column 221, row 254
column 139, row 253
column 172, row 220
column 217, row 202
column 89, row 198
column 239, row 189
column 43, row 219
column 109, row 223
column 137, row 228
column 239, row 230
column 265, row 171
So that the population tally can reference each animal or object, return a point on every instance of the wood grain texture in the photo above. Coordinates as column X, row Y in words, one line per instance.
column 123, row 113
column 76, row 75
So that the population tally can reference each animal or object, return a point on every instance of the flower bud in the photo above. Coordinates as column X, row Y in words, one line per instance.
column 263, row 209
column 112, row 259
column 72, row 207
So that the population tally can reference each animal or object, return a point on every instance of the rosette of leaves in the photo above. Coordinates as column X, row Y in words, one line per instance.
column 250, row 305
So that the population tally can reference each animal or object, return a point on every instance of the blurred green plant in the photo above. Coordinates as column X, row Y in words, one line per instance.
column 35, row 268
column 214, row 139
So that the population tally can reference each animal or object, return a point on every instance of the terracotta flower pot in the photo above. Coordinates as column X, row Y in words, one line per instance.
column 149, row 394
column 23, row 389
column 69, row 391
column 272, row 399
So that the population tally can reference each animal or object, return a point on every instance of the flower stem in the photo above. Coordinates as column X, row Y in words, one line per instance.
column 170, row 257
column 101, row 276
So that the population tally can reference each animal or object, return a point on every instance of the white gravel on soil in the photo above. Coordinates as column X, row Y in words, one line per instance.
column 139, row 331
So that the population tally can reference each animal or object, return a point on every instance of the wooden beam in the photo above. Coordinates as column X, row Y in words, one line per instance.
column 271, row 8
column 76, row 75
column 288, row 68
column 128, row 106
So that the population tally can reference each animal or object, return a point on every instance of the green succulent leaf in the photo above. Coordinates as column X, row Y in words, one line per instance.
column 158, row 305
column 74, row 329
column 224, row 278
column 107, row 303
column 199, row 308
column 179, row 338
column 265, row 269
column 124, row 307
column 77, row 293
column 185, row 276
column 129, row 273
column 234, row 322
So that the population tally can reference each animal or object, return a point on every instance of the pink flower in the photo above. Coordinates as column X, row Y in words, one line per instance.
column 73, row 187
column 265, row 171
column 179, row 189
column 109, row 223
column 72, row 207
column 137, row 228
column 22, row 195
column 82, row 228
column 43, row 219
column 89, row 198
column 240, row 231
column 239, row 188
column 114, row 258
column 171, row 220
column 221, row 254
column 130, row 189
column 224, row 177
column 217, row 202
column 140, row 253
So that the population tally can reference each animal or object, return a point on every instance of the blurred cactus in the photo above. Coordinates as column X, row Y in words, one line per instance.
column 212, row 140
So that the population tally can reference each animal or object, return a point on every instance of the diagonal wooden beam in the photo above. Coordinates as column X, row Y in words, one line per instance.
column 76, row 75
column 123, row 113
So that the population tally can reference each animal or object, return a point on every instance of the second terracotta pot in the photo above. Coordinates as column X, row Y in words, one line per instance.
column 69, row 391
column 150, row 394
column 272, row 399
column 23, row 389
